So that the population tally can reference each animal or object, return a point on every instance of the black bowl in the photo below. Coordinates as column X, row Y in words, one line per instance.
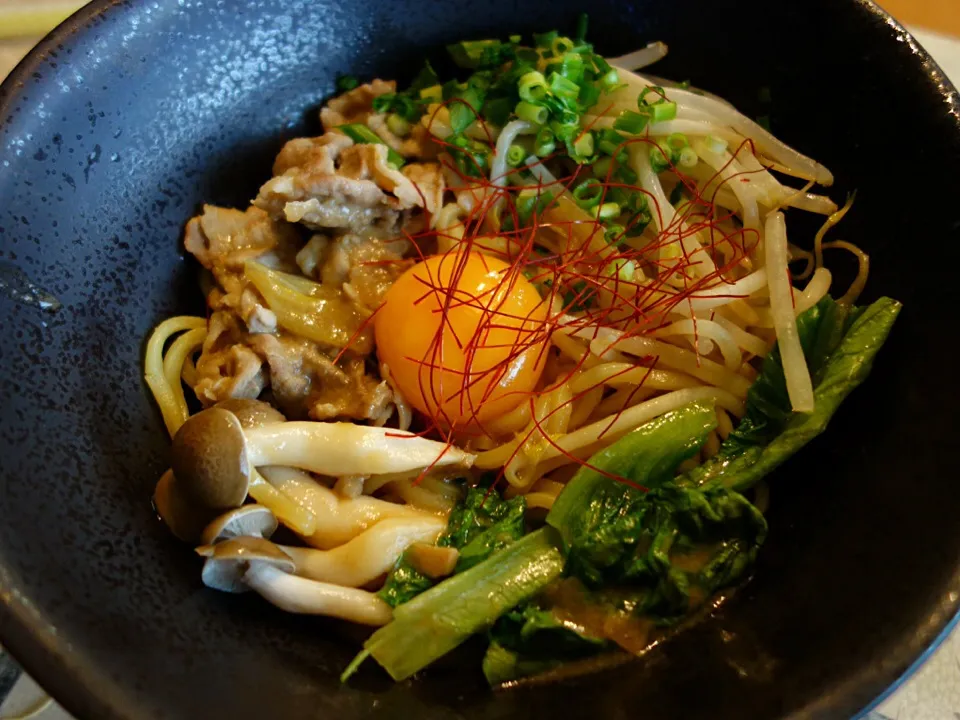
column 131, row 114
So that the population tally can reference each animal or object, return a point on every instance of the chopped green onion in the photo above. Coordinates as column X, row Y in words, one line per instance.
column 427, row 77
column 397, row 125
column 402, row 105
column 583, row 21
column 567, row 126
column 688, row 158
column 532, row 86
column 530, row 201
column 475, row 53
column 515, row 39
column 582, row 147
column 345, row 83
column 677, row 196
column 601, row 168
column 589, row 95
column 677, row 141
column 497, row 110
column 452, row 89
column 545, row 40
column 571, row 66
column 608, row 211
column 631, row 122
column 536, row 114
column 614, row 233
column 516, row 155
column 363, row 135
column 663, row 111
column 559, row 105
column 609, row 141
column 563, row 87
column 601, row 64
column 715, row 144
column 660, row 157
column 432, row 94
column 464, row 109
column 639, row 222
column 588, row 193
column 482, row 80
column 561, row 45
column 610, row 80
column 623, row 269
column 643, row 103
column 545, row 143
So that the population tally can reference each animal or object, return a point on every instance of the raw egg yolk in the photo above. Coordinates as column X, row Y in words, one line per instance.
column 463, row 337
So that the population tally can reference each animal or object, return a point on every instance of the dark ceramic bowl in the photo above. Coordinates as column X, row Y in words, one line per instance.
column 131, row 114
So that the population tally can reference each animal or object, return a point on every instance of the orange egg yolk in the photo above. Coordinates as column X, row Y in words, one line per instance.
column 463, row 337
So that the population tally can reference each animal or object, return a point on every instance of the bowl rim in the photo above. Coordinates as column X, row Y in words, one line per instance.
column 87, row 693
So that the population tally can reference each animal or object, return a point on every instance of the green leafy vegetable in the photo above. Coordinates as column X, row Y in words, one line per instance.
column 483, row 524
column 480, row 525
column 404, row 583
column 741, row 464
column 530, row 640
column 434, row 623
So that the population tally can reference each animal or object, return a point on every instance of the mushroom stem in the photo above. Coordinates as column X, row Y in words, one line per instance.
column 338, row 519
column 367, row 556
column 338, row 448
column 291, row 514
column 299, row 595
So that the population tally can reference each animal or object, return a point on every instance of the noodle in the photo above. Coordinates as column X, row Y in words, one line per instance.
column 172, row 407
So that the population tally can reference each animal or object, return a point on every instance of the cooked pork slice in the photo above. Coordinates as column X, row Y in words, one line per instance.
column 307, row 383
column 223, row 239
column 331, row 183
column 364, row 268
column 226, row 367
column 355, row 105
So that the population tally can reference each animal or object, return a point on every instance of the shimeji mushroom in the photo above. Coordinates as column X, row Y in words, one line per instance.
column 180, row 514
column 215, row 458
column 253, row 414
column 339, row 519
column 361, row 560
column 246, row 521
column 253, row 563
column 370, row 555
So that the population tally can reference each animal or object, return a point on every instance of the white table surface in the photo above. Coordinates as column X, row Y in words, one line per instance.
column 932, row 693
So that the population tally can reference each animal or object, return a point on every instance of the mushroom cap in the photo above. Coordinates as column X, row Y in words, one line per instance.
column 227, row 561
column 180, row 514
column 209, row 458
column 252, row 413
column 247, row 520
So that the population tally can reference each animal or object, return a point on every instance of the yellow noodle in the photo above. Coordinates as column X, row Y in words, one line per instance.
column 711, row 445
column 635, row 416
column 685, row 360
column 173, row 414
column 621, row 400
column 724, row 424
column 584, row 405
column 173, row 362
